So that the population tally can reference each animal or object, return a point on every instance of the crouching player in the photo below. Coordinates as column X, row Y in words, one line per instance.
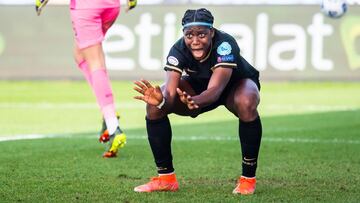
column 204, row 69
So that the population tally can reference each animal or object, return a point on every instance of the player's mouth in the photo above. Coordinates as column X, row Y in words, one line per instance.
column 197, row 53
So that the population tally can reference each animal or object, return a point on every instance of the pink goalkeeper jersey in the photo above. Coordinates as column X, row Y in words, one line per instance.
column 94, row 4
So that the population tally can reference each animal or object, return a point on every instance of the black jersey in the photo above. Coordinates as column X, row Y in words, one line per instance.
column 224, row 52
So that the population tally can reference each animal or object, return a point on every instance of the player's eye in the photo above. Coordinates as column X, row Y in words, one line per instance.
column 189, row 36
column 202, row 35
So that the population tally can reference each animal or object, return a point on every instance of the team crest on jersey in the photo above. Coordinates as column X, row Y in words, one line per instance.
column 224, row 49
column 172, row 60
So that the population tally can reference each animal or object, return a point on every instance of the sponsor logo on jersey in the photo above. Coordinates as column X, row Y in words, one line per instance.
column 227, row 58
column 224, row 49
column 172, row 60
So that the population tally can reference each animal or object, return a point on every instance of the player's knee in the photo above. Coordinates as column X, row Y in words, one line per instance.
column 79, row 62
column 78, row 57
column 246, row 107
column 246, row 102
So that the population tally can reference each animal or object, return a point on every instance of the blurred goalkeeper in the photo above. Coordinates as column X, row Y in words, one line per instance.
column 204, row 69
column 91, row 19
column 40, row 4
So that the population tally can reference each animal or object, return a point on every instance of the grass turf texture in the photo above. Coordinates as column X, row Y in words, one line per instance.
column 310, row 149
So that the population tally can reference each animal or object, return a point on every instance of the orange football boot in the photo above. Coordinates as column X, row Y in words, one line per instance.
column 104, row 137
column 160, row 183
column 245, row 186
column 104, row 133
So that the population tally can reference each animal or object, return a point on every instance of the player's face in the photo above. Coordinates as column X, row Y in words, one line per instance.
column 198, row 39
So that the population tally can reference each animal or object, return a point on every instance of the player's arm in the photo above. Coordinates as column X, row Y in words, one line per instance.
column 171, row 84
column 216, row 86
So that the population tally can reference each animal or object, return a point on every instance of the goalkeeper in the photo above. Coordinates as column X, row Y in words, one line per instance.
column 91, row 19
column 40, row 4
column 204, row 69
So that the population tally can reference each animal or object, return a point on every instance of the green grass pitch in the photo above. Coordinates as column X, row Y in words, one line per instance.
column 309, row 153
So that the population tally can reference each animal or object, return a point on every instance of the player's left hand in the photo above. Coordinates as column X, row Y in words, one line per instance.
column 187, row 99
column 131, row 4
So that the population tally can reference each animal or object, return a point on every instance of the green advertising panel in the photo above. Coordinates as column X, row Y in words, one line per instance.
column 282, row 42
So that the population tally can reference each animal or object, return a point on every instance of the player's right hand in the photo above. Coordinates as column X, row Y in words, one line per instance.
column 187, row 99
column 149, row 94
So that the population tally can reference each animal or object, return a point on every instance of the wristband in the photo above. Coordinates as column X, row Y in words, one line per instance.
column 161, row 104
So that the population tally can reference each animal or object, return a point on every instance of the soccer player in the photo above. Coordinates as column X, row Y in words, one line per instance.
column 204, row 69
column 90, row 20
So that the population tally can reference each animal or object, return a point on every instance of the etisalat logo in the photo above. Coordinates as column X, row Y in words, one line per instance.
column 2, row 44
column 350, row 35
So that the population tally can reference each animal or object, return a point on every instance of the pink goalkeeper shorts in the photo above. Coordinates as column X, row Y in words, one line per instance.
column 90, row 25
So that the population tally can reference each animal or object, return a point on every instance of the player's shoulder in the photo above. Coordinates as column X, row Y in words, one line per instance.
column 179, row 45
column 224, row 42
column 221, row 36
column 179, row 48
column 177, row 56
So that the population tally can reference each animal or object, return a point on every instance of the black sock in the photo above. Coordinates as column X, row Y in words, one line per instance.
column 159, row 136
column 250, row 138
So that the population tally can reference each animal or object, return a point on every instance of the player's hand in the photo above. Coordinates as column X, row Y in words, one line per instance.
column 39, row 5
column 131, row 4
column 187, row 99
column 149, row 94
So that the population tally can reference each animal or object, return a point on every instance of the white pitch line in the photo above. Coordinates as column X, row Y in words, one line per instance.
column 309, row 107
column 24, row 137
column 49, row 105
column 140, row 105
column 192, row 138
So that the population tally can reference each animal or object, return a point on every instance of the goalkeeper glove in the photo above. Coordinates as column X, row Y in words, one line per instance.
column 39, row 5
column 131, row 4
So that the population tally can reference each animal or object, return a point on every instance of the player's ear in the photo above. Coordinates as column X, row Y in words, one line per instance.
column 212, row 32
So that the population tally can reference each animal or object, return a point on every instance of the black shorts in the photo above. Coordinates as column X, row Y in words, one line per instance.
column 199, row 87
